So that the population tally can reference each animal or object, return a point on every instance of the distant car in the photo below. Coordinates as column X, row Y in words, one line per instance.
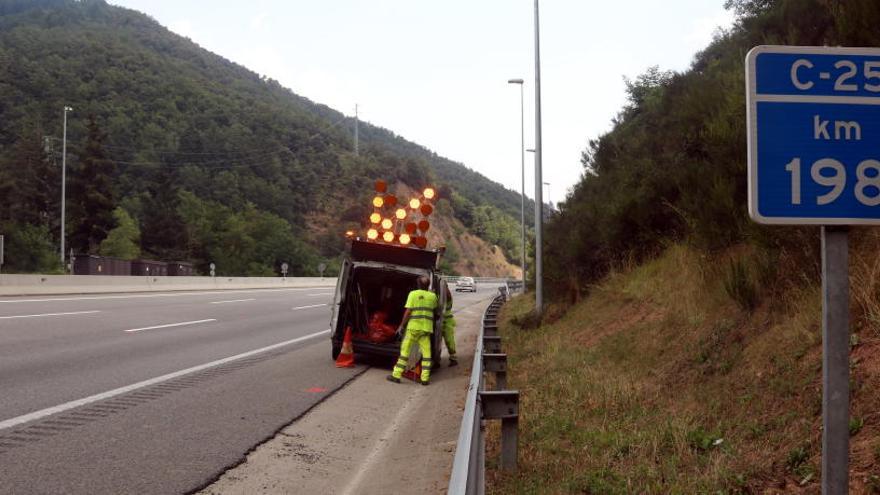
column 465, row 283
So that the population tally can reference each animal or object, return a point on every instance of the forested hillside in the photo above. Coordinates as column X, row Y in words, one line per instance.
column 177, row 153
column 674, row 166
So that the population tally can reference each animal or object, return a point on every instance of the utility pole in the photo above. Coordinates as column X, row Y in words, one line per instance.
column 539, row 203
column 522, row 156
column 356, row 137
column 64, row 181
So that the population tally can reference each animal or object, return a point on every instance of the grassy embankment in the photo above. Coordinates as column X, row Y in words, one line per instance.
column 659, row 382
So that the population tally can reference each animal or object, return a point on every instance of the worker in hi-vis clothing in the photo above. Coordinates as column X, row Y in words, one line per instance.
column 418, row 319
column 449, row 329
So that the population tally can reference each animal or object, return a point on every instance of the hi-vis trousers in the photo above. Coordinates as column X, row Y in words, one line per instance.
column 423, row 339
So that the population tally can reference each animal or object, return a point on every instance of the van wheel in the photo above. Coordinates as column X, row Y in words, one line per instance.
column 335, row 350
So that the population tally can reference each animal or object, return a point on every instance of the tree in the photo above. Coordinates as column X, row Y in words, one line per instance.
column 29, row 184
column 92, row 197
column 29, row 249
column 165, row 233
column 744, row 8
column 124, row 240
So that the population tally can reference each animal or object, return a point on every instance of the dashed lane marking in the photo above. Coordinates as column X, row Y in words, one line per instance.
column 169, row 325
column 307, row 307
column 49, row 314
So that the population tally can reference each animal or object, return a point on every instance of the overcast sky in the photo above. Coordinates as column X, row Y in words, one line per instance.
column 435, row 72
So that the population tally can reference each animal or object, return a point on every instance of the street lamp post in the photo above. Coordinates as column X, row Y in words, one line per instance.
column 64, row 182
column 522, row 155
column 539, row 203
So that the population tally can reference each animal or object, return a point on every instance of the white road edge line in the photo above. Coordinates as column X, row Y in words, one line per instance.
column 307, row 307
column 49, row 314
column 163, row 294
column 232, row 301
column 381, row 445
column 25, row 418
column 318, row 295
column 169, row 325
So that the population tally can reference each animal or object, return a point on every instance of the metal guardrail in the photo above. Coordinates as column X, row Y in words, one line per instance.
column 515, row 285
column 479, row 280
column 469, row 466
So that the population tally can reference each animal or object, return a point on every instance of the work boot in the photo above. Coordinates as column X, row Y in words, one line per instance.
column 453, row 362
column 392, row 378
column 425, row 382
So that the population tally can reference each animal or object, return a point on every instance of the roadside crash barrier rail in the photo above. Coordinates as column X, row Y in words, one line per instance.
column 469, row 466
column 514, row 285
column 479, row 280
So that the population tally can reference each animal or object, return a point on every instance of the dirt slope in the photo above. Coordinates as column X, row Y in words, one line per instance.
column 474, row 256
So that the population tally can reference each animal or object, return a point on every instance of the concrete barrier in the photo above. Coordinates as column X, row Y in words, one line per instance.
column 26, row 285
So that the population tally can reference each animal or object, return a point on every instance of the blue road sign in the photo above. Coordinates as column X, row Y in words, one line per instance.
column 814, row 135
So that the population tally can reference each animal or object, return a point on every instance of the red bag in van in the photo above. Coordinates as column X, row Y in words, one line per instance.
column 379, row 331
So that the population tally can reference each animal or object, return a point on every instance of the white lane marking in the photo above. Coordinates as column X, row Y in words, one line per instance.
column 307, row 307
column 232, row 301
column 143, row 296
column 49, row 314
column 183, row 323
column 382, row 444
column 318, row 295
column 42, row 413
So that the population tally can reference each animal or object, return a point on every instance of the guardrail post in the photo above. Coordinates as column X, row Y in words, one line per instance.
column 497, row 363
column 490, row 329
column 491, row 344
column 504, row 405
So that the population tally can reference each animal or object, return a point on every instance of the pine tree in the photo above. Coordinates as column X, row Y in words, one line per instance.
column 165, row 232
column 30, row 183
column 91, row 193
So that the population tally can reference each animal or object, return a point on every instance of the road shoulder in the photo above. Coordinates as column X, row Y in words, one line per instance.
column 370, row 437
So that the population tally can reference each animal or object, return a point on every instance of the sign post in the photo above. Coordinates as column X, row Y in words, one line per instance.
column 284, row 267
column 213, row 268
column 814, row 120
column 835, row 361
column 321, row 268
column 2, row 253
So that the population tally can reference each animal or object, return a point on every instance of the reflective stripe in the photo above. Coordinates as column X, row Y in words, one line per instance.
column 421, row 317
column 422, row 309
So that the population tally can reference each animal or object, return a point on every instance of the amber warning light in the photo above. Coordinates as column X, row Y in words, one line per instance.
column 405, row 224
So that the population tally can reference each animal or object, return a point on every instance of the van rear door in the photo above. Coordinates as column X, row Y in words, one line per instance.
column 339, row 295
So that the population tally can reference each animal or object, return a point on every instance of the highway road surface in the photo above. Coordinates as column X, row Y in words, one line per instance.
column 156, row 393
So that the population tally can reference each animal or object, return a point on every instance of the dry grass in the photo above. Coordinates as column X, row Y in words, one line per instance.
column 660, row 383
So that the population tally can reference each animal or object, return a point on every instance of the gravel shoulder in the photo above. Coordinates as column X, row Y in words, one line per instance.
column 372, row 436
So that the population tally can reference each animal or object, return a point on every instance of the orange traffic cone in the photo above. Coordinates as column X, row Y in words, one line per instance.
column 414, row 374
column 346, row 356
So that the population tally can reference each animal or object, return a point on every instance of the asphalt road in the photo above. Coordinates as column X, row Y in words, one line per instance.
column 156, row 393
